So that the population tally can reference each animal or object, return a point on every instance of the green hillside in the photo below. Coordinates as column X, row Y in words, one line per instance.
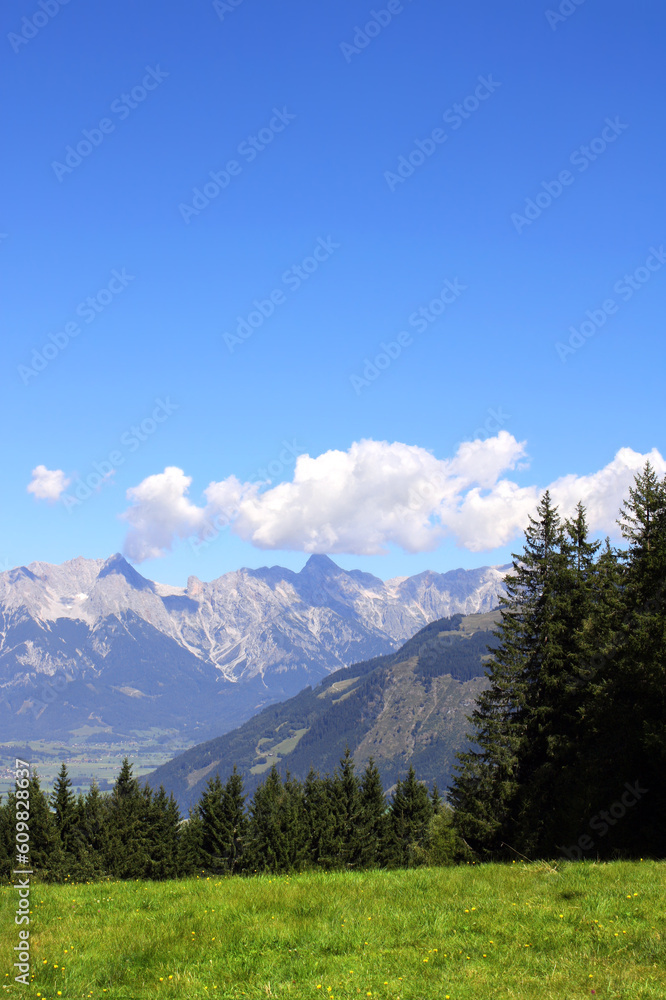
column 408, row 707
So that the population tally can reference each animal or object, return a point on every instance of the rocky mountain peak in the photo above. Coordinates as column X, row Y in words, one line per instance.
column 119, row 566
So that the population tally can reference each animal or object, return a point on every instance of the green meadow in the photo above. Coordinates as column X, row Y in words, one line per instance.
column 473, row 932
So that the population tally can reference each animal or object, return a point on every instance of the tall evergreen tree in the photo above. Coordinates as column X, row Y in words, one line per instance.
column 191, row 855
column 409, row 815
column 629, row 715
column 347, row 793
column 213, row 833
column 513, row 715
column 162, row 836
column 129, row 810
column 63, row 802
column 320, row 821
column 46, row 855
column 373, row 820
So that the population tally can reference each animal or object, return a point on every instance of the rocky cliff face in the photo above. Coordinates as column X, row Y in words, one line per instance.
column 93, row 645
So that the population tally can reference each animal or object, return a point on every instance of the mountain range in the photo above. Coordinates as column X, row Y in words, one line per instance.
column 408, row 707
column 91, row 650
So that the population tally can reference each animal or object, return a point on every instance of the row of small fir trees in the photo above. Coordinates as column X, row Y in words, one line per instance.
column 332, row 822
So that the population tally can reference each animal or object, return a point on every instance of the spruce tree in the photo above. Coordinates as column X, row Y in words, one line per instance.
column 162, row 840
column 46, row 856
column 129, row 810
column 347, row 792
column 191, row 855
column 234, row 821
column 513, row 717
column 63, row 803
column 320, row 821
column 373, row 819
column 5, row 868
column 93, row 822
column 267, row 848
column 630, row 712
column 212, row 827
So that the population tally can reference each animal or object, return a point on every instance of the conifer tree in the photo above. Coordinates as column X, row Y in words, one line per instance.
column 63, row 803
column 277, row 833
column 213, row 832
column 267, row 848
column 92, row 819
column 347, row 793
column 129, row 809
column 320, row 819
column 46, row 855
column 373, row 820
column 629, row 715
column 162, row 836
column 234, row 822
column 7, row 831
column 191, row 856
column 224, row 823
column 409, row 815
column 513, row 716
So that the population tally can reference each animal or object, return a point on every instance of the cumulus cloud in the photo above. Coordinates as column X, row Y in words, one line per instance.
column 160, row 511
column 375, row 495
column 48, row 484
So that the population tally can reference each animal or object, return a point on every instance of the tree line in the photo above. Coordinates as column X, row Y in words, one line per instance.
column 331, row 822
column 570, row 736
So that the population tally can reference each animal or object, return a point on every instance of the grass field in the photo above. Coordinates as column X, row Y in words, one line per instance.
column 467, row 933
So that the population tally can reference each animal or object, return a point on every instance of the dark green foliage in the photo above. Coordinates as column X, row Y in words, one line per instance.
column 128, row 816
column 191, row 857
column 575, row 714
column 223, row 824
column 374, row 820
column 277, row 835
column 321, row 821
column 348, row 812
column 63, row 804
column 46, row 853
column 162, row 836
column 409, row 815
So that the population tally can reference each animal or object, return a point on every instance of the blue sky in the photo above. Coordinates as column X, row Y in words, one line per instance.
column 560, row 117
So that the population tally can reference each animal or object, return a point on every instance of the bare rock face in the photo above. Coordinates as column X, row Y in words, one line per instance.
column 93, row 639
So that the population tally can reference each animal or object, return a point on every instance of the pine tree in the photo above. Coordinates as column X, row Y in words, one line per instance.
column 347, row 793
column 163, row 836
column 373, row 819
column 409, row 815
column 129, row 810
column 630, row 711
column 46, row 856
column 7, row 832
column 63, row 803
column 93, row 823
column 549, row 809
column 213, row 832
column 267, row 848
column 224, row 823
column 278, row 833
column 513, row 716
column 320, row 821
column 234, row 821
column 191, row 856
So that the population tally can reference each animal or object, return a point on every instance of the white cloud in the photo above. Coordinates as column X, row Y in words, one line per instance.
column 161, row 512
column 375, row 495
column 48, row 484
